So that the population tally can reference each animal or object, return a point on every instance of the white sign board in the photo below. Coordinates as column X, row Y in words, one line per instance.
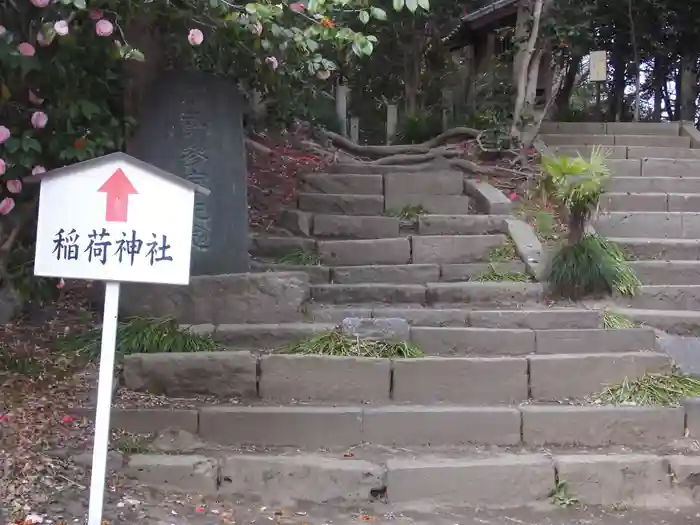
column 598, row 66
column 114, row 221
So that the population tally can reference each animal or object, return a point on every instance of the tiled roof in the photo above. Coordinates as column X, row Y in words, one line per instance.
column 476, row 15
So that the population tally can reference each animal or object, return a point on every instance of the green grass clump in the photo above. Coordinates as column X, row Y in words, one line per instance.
column 337, row 344
column 140, row 336
column 592, row 266
column 407, row 213
column 652, row 389
column 493, row 274
column 504, row 253
column 300, row 258
column 615, row 321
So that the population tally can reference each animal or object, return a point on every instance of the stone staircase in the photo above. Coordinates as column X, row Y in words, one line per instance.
column 497, row 413
column 652, row 208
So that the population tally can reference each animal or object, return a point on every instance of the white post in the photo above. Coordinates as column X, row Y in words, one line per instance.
column 355, row 129
column 341, row 107
column 392, row 119
column 100, row 444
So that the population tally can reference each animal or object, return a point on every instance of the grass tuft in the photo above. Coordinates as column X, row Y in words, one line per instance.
column 652, row 389
column 504, row 253
column 140, row 336
column 493, row 274
column 335, row 343
column 300, row 258
column 615, row 321
column 593, row 266
column 409, row 212
column 561, row 497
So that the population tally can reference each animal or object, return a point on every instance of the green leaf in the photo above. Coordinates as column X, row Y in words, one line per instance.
column 412, row 5
column 12, row 145
column 251, row 9
column 378, row 13
column 363, row 16
column 398, row 4
column 425, row 4
column 80, row 4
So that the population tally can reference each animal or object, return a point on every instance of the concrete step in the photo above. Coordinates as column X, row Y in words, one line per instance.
column 447, row 204
column 340, row 183
column 613, row 152
column 630, row 152
column 262, row 336
column 462, row 477
column 676, row 167
column 612, row 128
column 660, row 249
column 681, row 322
column 656, row 202
column 425, row 380
column 664, row 297
column 642, row 185
column 536, row 319
column 668, row 272
column 617, row 140
column 310, row 427
column 355, row 227
column 677, row 225
column 341, row 204
column 462, row 224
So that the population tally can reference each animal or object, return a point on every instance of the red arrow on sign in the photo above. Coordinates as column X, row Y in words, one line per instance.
column 118, row 188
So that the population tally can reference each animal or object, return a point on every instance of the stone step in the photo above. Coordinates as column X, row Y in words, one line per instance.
column 630, row 152
column 262, row 336
column 617, row 140
column 612, row 128
column 677, row 225
column 340, row 183
column 462, row 224
column 676, row 167
column 660, row 249
column 668, row 272
column 424, row 380
column 476, row 293
column 311, row 427
column 355, row 227
column 656, row 202
column 341, row 204
column 542, row 319
column 672, row 321
column 642, row 185
column 462, row 477
column 447, row 204
column 664, row 297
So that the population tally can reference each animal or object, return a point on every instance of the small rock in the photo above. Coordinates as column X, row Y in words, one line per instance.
column 382, row 329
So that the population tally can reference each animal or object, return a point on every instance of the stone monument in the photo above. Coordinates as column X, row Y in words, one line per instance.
column 191, row 124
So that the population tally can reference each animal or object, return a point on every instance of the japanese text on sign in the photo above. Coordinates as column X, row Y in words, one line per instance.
column 101, row 246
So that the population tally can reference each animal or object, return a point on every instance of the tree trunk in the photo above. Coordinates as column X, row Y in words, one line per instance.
column 688, row 87
column 637, row 60
column 659, row 78
column 679, row 94
column 618, row 88
column 562, row 100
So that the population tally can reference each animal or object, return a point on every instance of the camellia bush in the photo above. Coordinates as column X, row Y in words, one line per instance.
column 61, row 82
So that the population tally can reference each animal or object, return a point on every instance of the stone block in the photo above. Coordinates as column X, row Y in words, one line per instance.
column 670, row 167
column 402, row 426
column 646, row 224
column 597, row 426
column 447, row 204
column 572, row 128
column 614, row 152
column 466, row 381
column 315, row 378
column 624, row 168
column 627, row 479
column 692, row 414
column 488, row 199
column 336, row 314
column 396, row 273
column 423, row 183
column 662, row 249
column 643, row 128
column 266, row 336
column 355, row 227
column 343, row 204
column 666, row 297
column 461, row 224
column 369, row 293
column 473, row 341
column 652, row 141
column 276, row 247
column 470, row 271
column 454, row 248
column 676, row 185
column 365, row 252
column 568, row 376
column 636, row 152
column 527, row 246
column 634, row 202
column 503, row 481
column 287, row 480
column 181, row 473
column 578, row 140
column 317, row 274
column 382, row 329
column 685, row 471
column 667, row 272
column 487, row 293
column 683, row 202
column 340, row 183
column 219, row 299
column 570, row 341
column 294, row 426
column 545, row 319
column 296, row 222
column 425, row 316
column 223, row 374
column 154, row 420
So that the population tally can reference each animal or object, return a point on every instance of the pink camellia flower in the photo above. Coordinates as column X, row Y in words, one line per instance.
column 61, row 28
column 4, row 134
column 67, row 419
column 2, row 30
column 34, row 99
column 297, row 7
column 195, row 37
column 95, row 14
column 38, row 170
column 104, row 28
column 513, row 196
column 14, row 186
column 7, row 205
column 26, row 49
column 272, row 62
column 3, row 167
column 40, row 3
column 257, row 28
column 61, row 283
column 39, row 119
